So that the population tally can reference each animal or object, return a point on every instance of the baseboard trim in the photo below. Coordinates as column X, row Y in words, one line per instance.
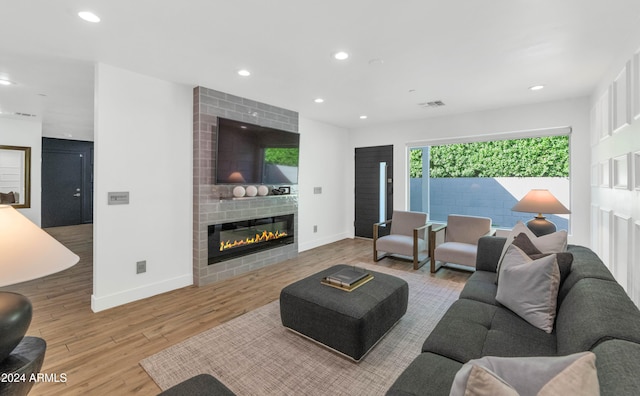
column 101, row 303
column 322, row 241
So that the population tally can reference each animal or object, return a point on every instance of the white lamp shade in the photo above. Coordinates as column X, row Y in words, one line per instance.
column 540, row 201
column 26, row 251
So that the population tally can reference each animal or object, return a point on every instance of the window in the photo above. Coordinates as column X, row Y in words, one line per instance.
column 488, row 178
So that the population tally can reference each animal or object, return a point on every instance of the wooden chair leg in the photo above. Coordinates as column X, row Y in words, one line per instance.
column 375, row 239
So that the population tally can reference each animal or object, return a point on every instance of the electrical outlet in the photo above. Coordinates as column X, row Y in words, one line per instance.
column 315, row 228
column 141, row 267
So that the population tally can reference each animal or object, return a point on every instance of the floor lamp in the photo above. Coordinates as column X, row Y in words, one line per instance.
column 26, row 253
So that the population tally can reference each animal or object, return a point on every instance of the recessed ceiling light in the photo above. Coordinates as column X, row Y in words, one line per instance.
column 536, row 87
column 244, row 73
column 318, row 100
column 341, row 55
column 89, row 16
column 6, row 82
column 363, row 117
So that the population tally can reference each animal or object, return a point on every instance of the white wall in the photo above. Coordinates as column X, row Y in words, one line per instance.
column 324, row 157
column 615, row 167
column 499, row 123
column 143, row 145
column 27, row 133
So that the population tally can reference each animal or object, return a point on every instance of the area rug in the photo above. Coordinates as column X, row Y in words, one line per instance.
column 255, row 355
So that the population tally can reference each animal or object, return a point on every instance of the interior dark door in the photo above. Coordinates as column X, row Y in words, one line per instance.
column 374, row 187
column 67, row 196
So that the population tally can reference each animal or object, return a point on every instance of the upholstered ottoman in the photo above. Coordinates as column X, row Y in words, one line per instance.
column 200, row 385
column 348, row 322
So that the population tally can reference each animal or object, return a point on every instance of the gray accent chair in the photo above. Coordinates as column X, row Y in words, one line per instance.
column 408, row 237
column 457, row 241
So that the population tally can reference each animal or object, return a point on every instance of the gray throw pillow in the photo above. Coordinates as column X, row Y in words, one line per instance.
column 565, row 259
column 529, row 287
column 550, row 243
column 543, row 376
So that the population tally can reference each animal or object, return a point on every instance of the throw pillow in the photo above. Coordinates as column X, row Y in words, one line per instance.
column 565, row 260
column 551, row 243
column 482, row 382
column 529, row 287
column 543, row 376
column 525, row 244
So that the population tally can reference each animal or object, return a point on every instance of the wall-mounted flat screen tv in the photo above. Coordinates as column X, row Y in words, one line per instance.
column 253, row 154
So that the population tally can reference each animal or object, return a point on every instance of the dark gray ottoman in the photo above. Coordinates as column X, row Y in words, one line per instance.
column 348, row 322
column 200, row 385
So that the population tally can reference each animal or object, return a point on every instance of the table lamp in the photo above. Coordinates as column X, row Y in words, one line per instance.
column 26, row 252
column 540, row 201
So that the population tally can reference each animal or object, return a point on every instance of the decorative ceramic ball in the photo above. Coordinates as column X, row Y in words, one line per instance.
column 263, row 190
column 239, row 191
column 252, row 191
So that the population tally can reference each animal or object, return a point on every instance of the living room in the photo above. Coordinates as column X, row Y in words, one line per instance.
column 143, row 133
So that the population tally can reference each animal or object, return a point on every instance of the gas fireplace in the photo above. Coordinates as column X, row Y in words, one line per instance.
column 240, row 238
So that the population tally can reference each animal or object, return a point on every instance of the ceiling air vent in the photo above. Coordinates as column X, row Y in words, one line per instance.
column 434, row 104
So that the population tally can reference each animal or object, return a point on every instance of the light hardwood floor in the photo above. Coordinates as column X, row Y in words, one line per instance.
column 99, row 352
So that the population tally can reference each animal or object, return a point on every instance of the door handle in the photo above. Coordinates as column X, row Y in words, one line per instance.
column 76, row 194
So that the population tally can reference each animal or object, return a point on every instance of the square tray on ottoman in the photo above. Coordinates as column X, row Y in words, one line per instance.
column 348, row 322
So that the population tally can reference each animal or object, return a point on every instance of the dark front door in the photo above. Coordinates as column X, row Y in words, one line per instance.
column 374, row 187
column 67, row 197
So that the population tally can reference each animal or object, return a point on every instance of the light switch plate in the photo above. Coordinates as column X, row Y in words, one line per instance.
column 118, row 198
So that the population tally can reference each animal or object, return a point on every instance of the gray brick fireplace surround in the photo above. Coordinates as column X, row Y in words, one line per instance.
column 212, row 204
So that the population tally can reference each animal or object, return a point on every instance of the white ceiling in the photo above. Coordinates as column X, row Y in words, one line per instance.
column 470, row 54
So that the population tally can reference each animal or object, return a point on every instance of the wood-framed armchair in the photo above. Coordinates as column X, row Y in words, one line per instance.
column 408, row 237
column 457, row 241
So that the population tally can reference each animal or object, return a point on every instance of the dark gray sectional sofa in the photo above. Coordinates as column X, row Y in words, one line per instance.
column 594, row 314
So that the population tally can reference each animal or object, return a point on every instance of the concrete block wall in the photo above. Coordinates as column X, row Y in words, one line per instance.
column 477, row 197
column 214, row 204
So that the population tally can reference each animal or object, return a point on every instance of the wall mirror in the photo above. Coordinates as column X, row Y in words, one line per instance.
column 15, row 176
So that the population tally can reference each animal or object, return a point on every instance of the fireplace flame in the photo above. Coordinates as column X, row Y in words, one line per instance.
column 264, row 236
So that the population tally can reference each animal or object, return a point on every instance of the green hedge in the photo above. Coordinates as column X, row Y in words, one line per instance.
column 531, row 157
column 281, row 156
